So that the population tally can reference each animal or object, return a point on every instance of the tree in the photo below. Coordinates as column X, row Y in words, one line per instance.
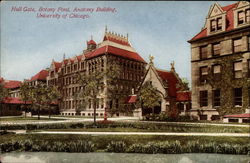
column 97, row 84
column 51, row 95
column 91, row 86
column 38, row 97
column 25, row 92
column 3, row 94
column 149, row 96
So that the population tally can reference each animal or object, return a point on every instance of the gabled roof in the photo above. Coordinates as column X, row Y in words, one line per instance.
column 11, row 84
column 229, row 20
column 131, row 99
column 91, row 42
column 1, row 79
column 115, row 51
column 183, row 96
column 42, row 75
column 171, row 79
column 57, row 65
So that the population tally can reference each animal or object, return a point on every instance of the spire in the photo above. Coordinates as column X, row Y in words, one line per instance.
column 64, row 56
column 172, row 66
column 106, row 29
column 127, row 36
column 91, row 37
column 151, row 58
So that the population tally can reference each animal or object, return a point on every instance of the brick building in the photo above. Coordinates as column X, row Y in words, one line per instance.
column 220, row 62
column 115, row 49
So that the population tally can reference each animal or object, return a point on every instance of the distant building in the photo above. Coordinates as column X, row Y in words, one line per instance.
column 221, row 62
column 40, row 77
column 12, row 103
column 96, row 57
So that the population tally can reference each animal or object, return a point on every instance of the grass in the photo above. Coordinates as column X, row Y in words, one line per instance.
column 129, row 127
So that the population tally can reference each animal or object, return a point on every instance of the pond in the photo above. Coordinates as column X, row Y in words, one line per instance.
column 54, row 157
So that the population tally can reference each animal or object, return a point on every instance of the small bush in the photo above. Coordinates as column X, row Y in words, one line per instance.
column 117, row 147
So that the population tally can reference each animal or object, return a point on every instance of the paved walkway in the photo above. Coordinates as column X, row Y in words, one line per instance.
column 66, row 120
column 146, row 133
column 127, row 119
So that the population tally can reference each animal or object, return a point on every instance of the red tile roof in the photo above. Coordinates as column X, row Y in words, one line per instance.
column 14, row 100
column 245, row 115
column 40, row 76
column 131, row 99
column 91, row 42
column 1, row 79
column 57, row 65
column 183, row 96
column 115, row 51
column 11, row 84
column 171, row 80
column 229, row 24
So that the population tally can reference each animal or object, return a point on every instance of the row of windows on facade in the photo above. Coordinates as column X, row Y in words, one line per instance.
column 120, row 88
column 94, row 66
column 216, row 48
column 73, row 104
column 216, row 71
column 216, row 97
column 83, row 114
column 124, row 75
column 243, row 18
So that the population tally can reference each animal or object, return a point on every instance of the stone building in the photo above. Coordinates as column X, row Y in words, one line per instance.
column 114, row 49
column 220, row 62
column 174, row 92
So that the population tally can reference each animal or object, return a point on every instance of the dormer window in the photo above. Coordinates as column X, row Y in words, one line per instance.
column 243, row 17
column 216, row 24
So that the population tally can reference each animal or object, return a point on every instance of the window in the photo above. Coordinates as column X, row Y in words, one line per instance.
column 216, row 97
column 219, row 24
column 248, row 65
column 216, row 24
column 213, row 25
column 203, row 98
column 237, row 45
column 248, row 42
column 237, row 96
column 203, row 52
column 216, row 71
column 241, row 17
column 216, row 49
column 237, row 70
column 248, row 15
column 244, row 17
column 203, row 74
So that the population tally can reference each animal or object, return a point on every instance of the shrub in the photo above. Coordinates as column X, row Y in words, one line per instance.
column 81, row 146
column 117, row 147
column 27, row 145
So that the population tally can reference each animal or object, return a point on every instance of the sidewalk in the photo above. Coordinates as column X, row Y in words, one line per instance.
column 146, row 133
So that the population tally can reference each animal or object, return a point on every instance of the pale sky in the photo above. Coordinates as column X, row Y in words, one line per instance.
column 162, row 29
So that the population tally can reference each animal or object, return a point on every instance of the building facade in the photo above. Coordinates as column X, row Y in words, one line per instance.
column 220, row 62
column 175, row 94
column 114, row 49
